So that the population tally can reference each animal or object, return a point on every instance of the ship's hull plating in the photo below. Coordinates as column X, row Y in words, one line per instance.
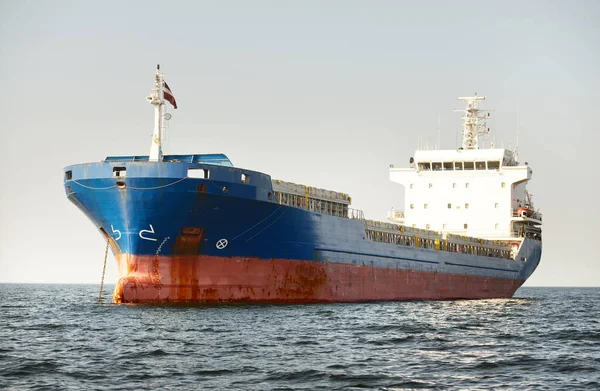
column 224, row 279
column 179, row 239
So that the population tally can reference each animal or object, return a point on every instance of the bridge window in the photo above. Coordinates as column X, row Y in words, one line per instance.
column 480, row 165
column 458, row 165
column 493, row 165
column 425, row 166
column 448, row 166
column 436, row 166
column 245, row 178
column 68, row 175
column 469, row 165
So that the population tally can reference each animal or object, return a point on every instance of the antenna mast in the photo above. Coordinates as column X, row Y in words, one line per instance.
column 516, row 153
column 158, row 101
column 474, row 122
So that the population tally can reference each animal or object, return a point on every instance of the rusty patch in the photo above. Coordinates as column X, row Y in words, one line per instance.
column 156, row 276
column 188, row 241
column 118, row 294
column 184, row 268
column 303, row 281
column 119, row 291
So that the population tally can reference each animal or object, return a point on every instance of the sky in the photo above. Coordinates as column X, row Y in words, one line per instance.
column 323, row 93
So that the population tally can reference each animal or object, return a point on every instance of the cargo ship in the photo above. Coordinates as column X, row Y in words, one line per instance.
column 195, row 228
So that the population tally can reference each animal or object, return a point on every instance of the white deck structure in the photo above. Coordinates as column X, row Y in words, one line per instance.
column 470, row 191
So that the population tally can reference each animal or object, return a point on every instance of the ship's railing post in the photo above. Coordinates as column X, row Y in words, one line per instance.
column 356, row 214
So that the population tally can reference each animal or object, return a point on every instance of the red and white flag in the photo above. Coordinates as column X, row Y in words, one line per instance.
column 168, row 95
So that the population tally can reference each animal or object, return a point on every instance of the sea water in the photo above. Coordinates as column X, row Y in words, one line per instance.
column 57, row 337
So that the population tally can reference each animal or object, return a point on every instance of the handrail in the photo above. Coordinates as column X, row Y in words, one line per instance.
column 355, row 214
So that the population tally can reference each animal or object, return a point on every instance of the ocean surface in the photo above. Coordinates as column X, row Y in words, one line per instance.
column 56, row 337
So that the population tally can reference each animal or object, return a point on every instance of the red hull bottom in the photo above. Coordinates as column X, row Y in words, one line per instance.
column 152, row 279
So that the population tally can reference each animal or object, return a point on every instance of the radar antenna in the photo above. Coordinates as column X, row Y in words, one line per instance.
column 474, row 124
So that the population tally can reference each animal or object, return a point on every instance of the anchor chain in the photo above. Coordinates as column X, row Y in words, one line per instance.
column 103, row 271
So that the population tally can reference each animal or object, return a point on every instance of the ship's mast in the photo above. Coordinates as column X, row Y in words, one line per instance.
column 474, row 122
column 157, row 99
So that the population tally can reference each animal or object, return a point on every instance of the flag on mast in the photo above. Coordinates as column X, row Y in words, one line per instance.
column 168, row 95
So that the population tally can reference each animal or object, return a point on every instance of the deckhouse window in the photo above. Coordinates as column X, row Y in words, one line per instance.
column 68, row 175
column 449, row 206
column 448, row 166
column 245, row 178
column 503, row 184
column 469, row 165
column 480, row 165
column 466, row 226
column 425, row 206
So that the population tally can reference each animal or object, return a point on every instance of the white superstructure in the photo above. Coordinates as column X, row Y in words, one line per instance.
column 469, row 191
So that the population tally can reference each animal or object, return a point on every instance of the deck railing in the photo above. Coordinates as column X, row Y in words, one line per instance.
column 355, row 214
